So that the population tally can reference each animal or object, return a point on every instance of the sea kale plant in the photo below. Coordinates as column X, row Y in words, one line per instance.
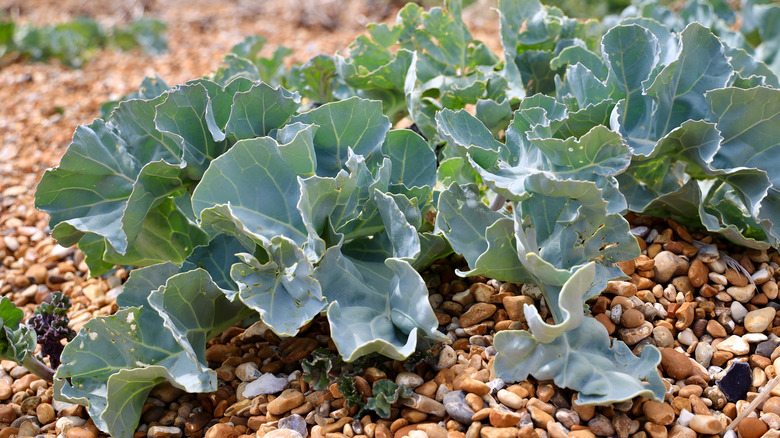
column 240, row 198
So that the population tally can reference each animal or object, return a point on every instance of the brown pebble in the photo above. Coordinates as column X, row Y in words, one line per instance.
column 658, row 413
column 477, row 313
column 752, row 428
column 677, row 365
column 772, row 405
column 698, row 273
column 287, row 400
column 221, row 430
column 632, row 318
column 706, row 424
column 474, row 386
column 504, row 418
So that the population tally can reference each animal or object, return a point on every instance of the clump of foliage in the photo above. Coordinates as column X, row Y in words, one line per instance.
column 50, row 322
column 241, row 197
column 75, row 42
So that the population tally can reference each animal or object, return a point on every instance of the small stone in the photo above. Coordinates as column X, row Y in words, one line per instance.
column 540, row 417
column 446, row 359
column 751, row 428
column 658, row 413
column 477, row 313
column 567, row 417
column 424, row 404
column 82, row 432
column 742, row 294
column 474, row 386
column 289, row 399
column 432, row 430
column 682, row 432
column 265, row 384
column 735, row 384
column 663, row 337
column 772, row 405
column 5, row 390
column 758, row 320
column 456, row 406
column 45, row 413
column 703, row 353
column 248, row 372
column 631, row 336
column 164, row 432
column 294, row 422
column 514, row 306
column 28, row 428
column 667, row 265
column 686, row 337
column 410, row 380
column 632, row 318
column 706, row 424
column 767, row 347
column 601, row 426
column 698, row 273
column 283, row 433
column 738, row 311
column 510, row 399
column 497, row 432
column 735, row 345
column 676, row 365
column 504, row 418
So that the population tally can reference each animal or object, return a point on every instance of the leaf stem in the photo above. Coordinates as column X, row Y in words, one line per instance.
column 497, row 203
column 35, row 366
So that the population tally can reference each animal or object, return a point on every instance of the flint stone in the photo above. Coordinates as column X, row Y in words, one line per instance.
column 265, row 384
column 427, row 404
column 294, row 422
column 767, row 347
column 736, row 383
column 456, row 406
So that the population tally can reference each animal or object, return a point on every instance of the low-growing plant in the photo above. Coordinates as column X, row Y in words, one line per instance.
column 75, row 42
column 240, row 197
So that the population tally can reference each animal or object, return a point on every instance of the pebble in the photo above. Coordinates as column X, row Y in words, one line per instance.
column 676, row 365
column 706, row 424
column 510, row 399
column 504, row 418
column 734, row 344
column 715, row 329
column 474, row 386
column 632, row 318
column 682, row 432
column 265, row 384
column 766, row 348
column 751, row 428
column 743, row 294
column 283, row 433
column 631, row 336
column 294, row 422
column 703, row 353
column 456, row 406
column 83, row 432
column 663, row 337
column 498, row 432
column 248, row 372
column 757, row 321
column 45, row 413
column 164, row 432
column 736, row 382
column 738, row 311
column 289, row 399
column 601, row 426
column 667, row 265
column 447, row 358
column 772, row 405
column 410, row 380
column 658, row 413
column 424, row 404
column 477, row 313
column 5, row 390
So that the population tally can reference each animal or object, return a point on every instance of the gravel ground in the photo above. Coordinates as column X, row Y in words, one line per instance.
column 710, row 308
